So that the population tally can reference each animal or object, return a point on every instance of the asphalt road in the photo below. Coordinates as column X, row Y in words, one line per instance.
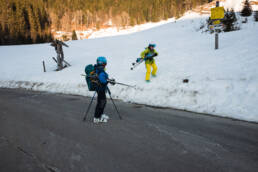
column 43, row 132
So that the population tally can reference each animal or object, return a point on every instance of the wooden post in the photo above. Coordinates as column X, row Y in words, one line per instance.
column 44, row 67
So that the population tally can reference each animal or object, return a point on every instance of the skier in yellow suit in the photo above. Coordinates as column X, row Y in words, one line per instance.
column 148, row 55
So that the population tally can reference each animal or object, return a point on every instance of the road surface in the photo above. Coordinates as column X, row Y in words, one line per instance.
column 43, row 132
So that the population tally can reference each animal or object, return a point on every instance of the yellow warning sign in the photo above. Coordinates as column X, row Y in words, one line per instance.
column 217, row 13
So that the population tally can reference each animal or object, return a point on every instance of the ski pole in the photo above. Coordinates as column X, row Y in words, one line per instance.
column 109, row 80
column 120, row 117
column 119, row 83
column 136, row 64
column 141, row 60
column 89, row 76
column 85, row 116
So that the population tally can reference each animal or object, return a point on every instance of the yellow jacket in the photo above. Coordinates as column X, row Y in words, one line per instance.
column 147, row 52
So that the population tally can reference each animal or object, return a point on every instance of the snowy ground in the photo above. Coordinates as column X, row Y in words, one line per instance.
column 222, row 82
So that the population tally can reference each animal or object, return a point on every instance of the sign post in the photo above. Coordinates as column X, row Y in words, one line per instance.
column 217, row 14
column 216, row 41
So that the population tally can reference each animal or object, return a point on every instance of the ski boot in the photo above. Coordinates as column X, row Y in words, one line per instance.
column 99, row 120
column 96, row 120
column 104, row 116
column 154, row 75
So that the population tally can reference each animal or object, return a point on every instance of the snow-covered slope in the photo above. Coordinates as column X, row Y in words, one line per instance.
column 222, row 82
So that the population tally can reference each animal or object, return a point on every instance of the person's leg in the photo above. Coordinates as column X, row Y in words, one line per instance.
column 148, row 72
column 97, row 114
column 155, row 68
column 101, row 103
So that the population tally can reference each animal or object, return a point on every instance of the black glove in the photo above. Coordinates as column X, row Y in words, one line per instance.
column 112, row 81
column 155, row 54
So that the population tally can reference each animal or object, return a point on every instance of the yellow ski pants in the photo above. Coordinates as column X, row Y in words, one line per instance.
column 148, row 68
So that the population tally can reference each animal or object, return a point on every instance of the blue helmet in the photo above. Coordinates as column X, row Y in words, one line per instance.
column 101, row 60
column 152, row 45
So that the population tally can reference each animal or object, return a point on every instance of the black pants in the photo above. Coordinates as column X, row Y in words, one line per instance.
column 102, row 100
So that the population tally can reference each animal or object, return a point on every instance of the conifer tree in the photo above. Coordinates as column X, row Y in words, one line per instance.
column 229, row 20
column 24, row 21
column 247, row 9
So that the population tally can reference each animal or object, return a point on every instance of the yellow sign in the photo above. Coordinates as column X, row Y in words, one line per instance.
column 216, row 22
column 217, row 13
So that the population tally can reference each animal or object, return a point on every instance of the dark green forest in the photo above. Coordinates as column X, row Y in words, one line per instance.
column 32, row 21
